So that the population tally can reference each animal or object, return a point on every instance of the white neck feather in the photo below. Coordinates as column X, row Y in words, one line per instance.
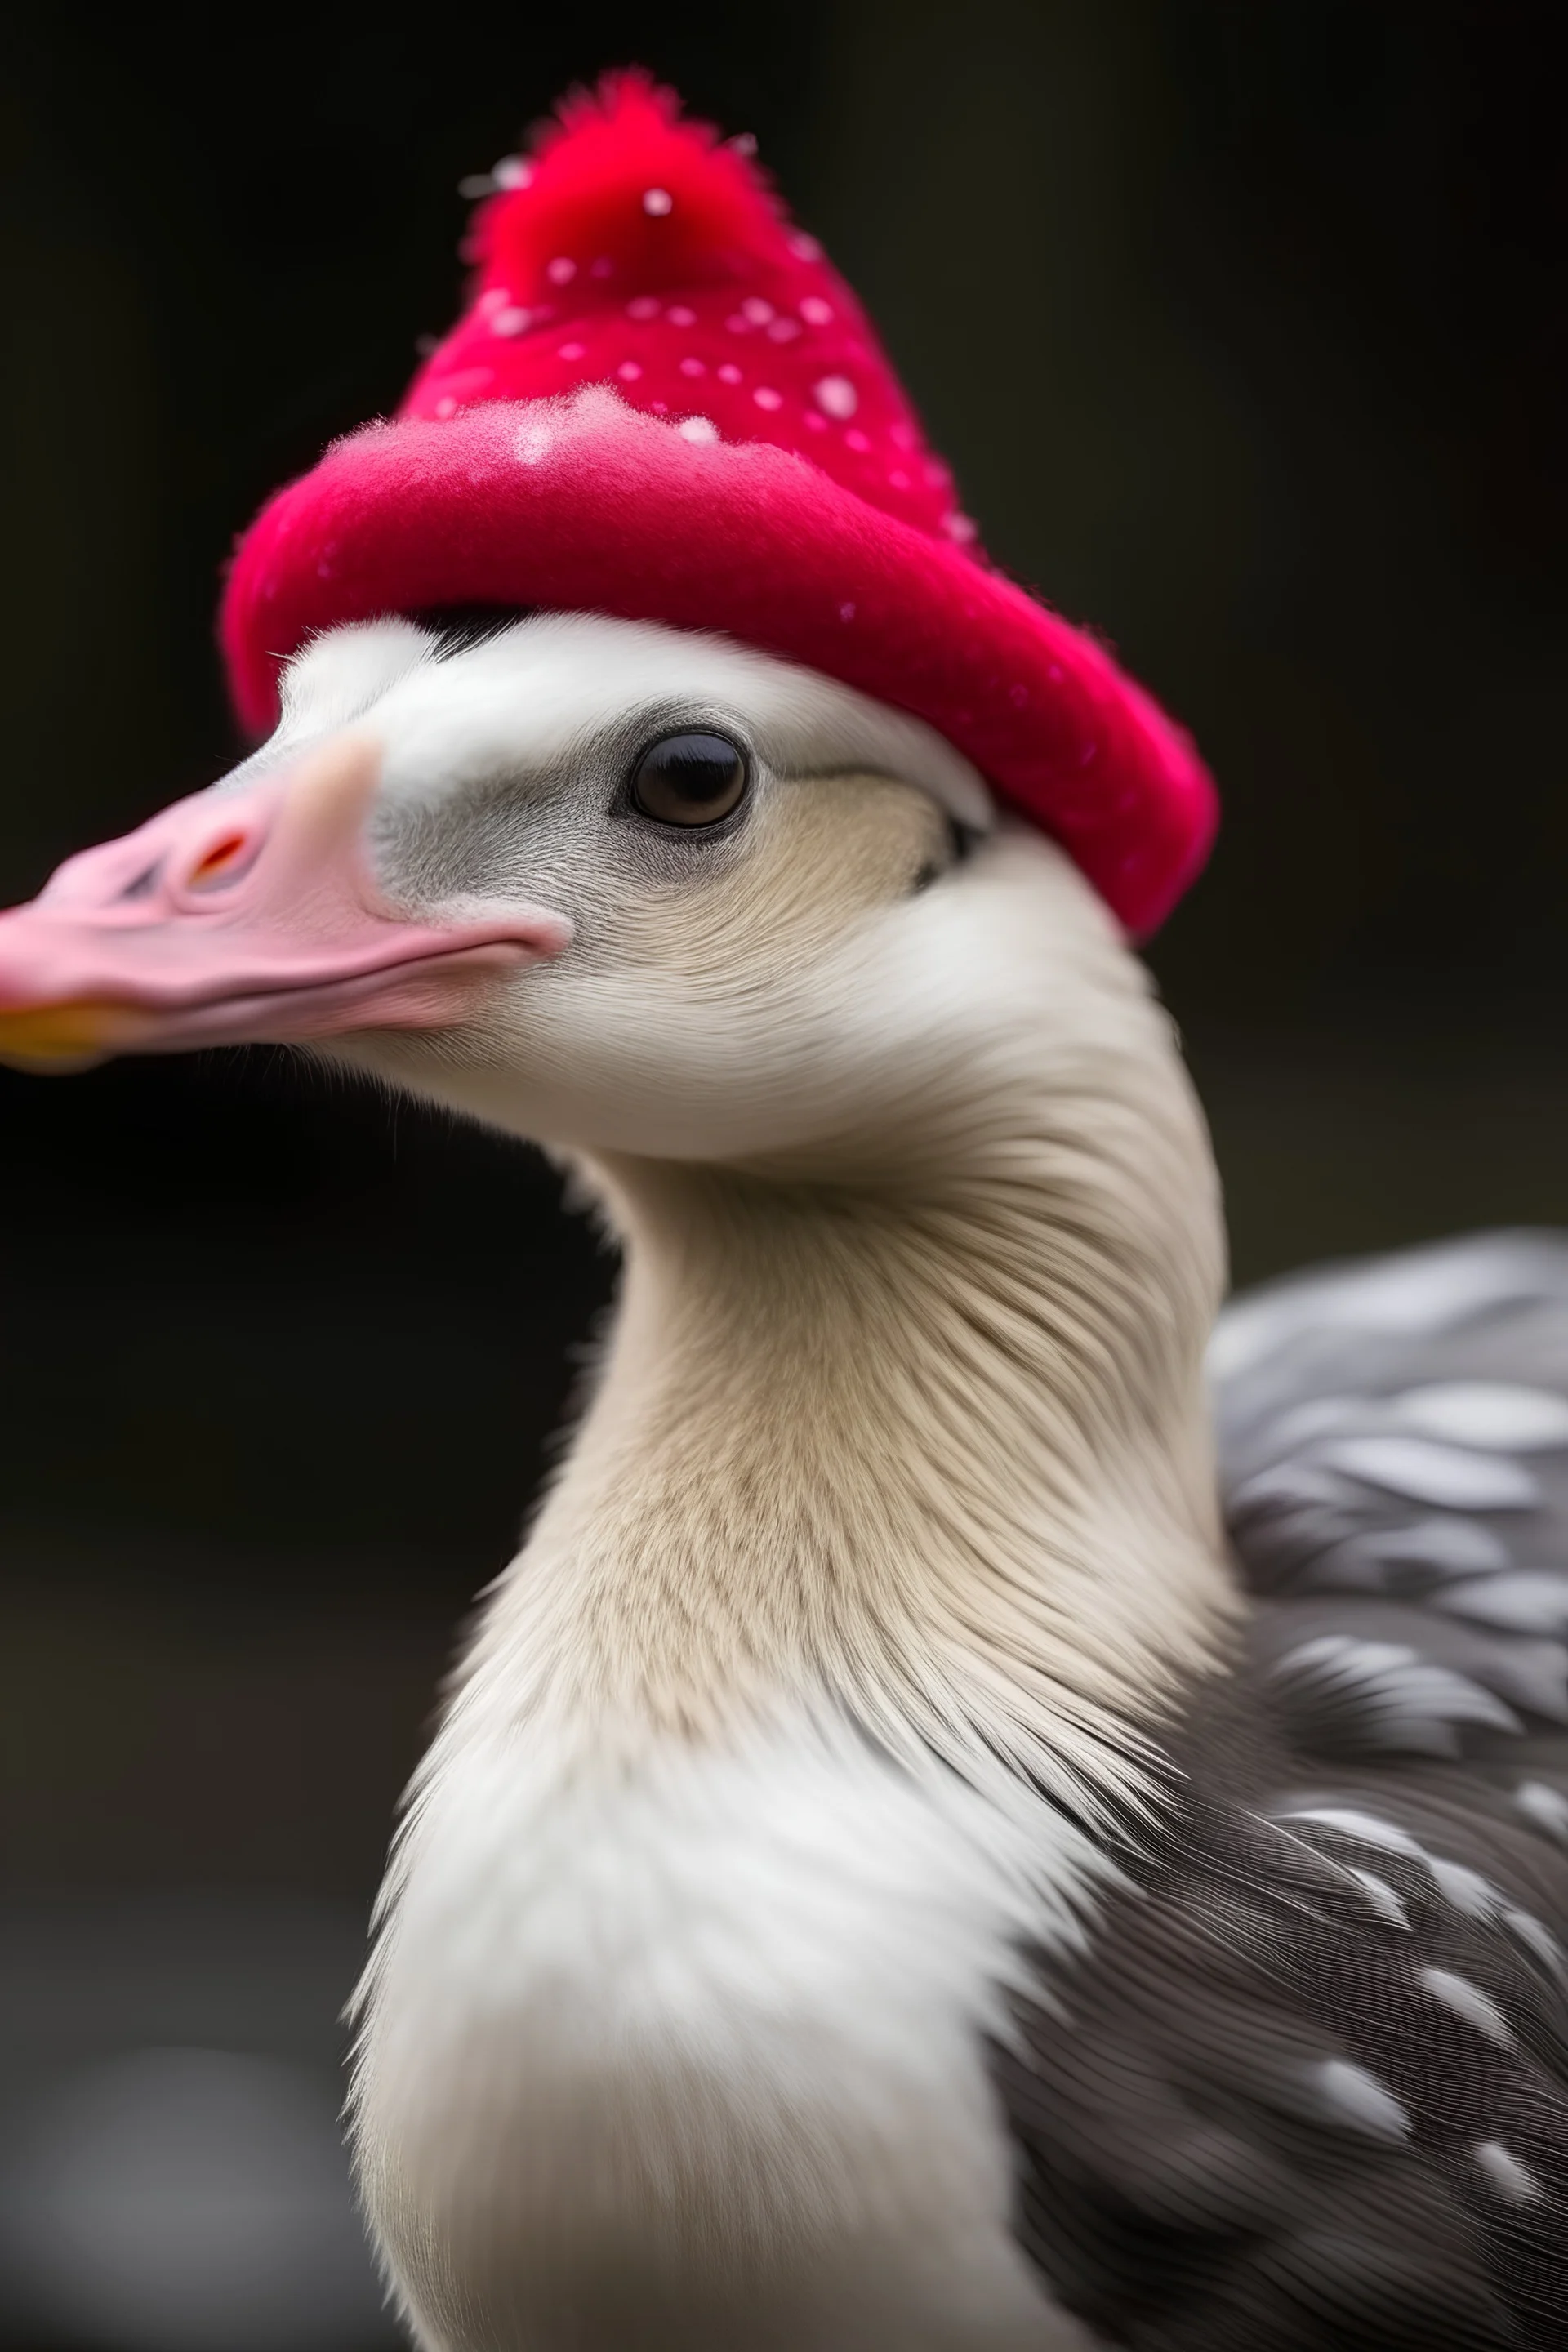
column 932, row 1451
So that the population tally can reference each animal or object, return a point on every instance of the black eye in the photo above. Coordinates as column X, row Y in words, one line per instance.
column 690, row 780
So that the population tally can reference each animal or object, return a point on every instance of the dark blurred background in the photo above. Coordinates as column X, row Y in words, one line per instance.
column 1240, row 325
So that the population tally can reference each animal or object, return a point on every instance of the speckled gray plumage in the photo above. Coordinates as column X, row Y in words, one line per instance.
column 1309, row 2086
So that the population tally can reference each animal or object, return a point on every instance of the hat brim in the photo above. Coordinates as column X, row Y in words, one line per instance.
column 582, row 504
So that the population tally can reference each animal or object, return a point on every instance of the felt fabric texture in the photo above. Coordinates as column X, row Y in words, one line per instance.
column 662, row 403
column 636, row 251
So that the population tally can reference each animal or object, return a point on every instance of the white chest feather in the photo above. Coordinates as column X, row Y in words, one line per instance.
column 691, row 2051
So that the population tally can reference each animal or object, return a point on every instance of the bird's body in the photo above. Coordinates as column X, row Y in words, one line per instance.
column 891, row 1870
column 915, row 1854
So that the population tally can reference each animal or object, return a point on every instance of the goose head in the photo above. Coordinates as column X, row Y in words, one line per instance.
column 611, row 885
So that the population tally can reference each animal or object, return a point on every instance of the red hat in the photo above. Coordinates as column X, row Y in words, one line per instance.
column 663, row 403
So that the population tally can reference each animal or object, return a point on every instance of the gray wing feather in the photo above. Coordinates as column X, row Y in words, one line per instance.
column 1309, row 2085
column 1394, row 1458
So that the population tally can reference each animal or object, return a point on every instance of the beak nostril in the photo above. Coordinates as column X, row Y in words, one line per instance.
column 221, row 862
column 144, row 884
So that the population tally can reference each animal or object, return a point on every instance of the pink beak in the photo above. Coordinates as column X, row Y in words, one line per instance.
column 237, row 918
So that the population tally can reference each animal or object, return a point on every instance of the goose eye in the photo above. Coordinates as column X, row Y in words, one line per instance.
column 690, row 780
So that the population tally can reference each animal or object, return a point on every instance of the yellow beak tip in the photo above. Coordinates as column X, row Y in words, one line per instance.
column 56, row 1036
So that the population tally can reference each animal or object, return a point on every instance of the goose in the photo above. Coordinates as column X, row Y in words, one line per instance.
column 987, row 1813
